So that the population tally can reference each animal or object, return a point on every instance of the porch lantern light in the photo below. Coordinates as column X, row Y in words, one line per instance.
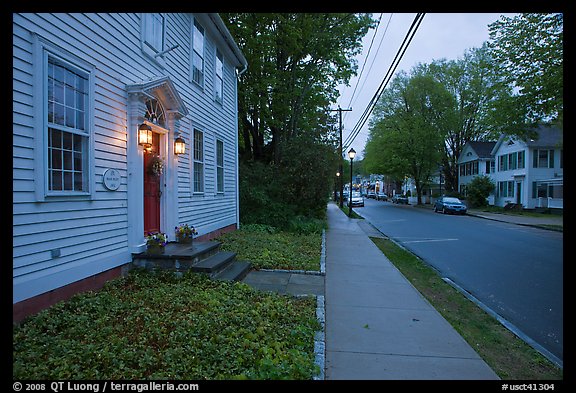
column 179, row 146
column 145, row 135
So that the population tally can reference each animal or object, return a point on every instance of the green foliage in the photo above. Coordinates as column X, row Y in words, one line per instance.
column 157, row 326
column 296, row 61
column 406, row 133
column 479, row 189
column 290, row 195
column 268, row 248
column 528, row 55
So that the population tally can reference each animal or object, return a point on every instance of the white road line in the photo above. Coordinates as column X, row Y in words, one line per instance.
column 428, row 240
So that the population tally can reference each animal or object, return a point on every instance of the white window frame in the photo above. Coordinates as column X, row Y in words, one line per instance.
column 219, row 77
column 43, row 50
column 196, row 33
column 220, row 168
column 196, row 162
column 150, row 49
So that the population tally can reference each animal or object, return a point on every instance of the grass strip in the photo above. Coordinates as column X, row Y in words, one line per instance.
column 509, row 356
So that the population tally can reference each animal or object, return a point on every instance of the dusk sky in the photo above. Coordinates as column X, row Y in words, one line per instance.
column 440, row 35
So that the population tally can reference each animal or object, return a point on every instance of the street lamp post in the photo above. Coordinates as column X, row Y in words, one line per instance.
column 351, row 154
column 338, row 194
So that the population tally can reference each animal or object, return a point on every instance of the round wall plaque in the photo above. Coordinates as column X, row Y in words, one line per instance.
column 112, row 179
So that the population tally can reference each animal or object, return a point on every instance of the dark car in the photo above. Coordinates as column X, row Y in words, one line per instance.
column 400, row 199
column 450, row 205
column 381, row 196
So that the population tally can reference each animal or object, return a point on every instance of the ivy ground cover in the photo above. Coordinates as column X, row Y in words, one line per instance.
column 157, row 326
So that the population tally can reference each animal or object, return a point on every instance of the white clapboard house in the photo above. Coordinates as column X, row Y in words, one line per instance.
column 99, row 101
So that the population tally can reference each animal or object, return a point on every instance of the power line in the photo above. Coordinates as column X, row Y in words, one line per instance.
column 365, row 60
column 370, row 107
column 375, row 56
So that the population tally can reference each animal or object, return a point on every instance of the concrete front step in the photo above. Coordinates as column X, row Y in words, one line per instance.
column 215, row 263
column 236, row 271
column 201, row 257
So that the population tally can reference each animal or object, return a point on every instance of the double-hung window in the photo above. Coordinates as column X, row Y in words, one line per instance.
column 198, row 164
column 219, row 80
column 67, row 128
column 198, row 53
column 219, row 166
column 543, row 158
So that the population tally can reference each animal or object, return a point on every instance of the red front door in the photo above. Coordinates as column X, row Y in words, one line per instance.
column 152, row 191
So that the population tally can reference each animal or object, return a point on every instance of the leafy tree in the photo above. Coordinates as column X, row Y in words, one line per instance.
column 295, row 62
column 406, row 130
column 528, row 55
column 473, row 87
column 479, row 189
column 286, row 131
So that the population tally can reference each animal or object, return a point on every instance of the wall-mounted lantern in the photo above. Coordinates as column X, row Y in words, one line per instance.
column 179, row 146
column 145, row 135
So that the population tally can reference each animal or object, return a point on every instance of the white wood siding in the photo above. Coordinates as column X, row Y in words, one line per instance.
column 92, row 233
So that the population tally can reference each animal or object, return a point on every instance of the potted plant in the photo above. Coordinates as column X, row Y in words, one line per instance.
column 155, row 242
column 185, row 233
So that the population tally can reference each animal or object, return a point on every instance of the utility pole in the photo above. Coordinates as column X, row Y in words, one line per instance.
column 340, row 163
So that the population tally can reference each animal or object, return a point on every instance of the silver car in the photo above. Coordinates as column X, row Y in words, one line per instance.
column 357, row 199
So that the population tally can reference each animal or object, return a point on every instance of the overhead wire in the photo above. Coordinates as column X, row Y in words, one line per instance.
column 373, row 59
column 365, row 60
column 370, row 107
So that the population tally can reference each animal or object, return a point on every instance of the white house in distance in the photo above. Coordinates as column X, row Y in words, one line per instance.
column 526, row 172
column 530, row 172
column 475, row 160
column 84, row 189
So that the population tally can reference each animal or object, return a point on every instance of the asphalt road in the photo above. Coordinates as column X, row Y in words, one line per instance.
column 515, row 271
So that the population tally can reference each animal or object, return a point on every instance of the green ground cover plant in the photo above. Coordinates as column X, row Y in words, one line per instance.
column 158, row 326
column 267, row 247
column 509, row 356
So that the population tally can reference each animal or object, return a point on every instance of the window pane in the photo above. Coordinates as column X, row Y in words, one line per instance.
column 220, row 179
column 68, row 181
column 67, row 160
column 67, row 138
column 55, row 137
column 542, row 158
column 56, row 159
column 197, row 69
column 198, row 39
column 56, row 180
column 80, row 120
column 78, row 162
column 70, row 118
column 219, row 65
column 78, row 181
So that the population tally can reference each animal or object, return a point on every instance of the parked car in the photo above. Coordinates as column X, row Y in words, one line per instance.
column 381, row 196
column 449, row 205
column 400, row 199
column 357, row 199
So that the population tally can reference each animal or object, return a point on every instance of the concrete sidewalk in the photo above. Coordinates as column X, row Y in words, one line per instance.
column 378, row 326
column 552, row 222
